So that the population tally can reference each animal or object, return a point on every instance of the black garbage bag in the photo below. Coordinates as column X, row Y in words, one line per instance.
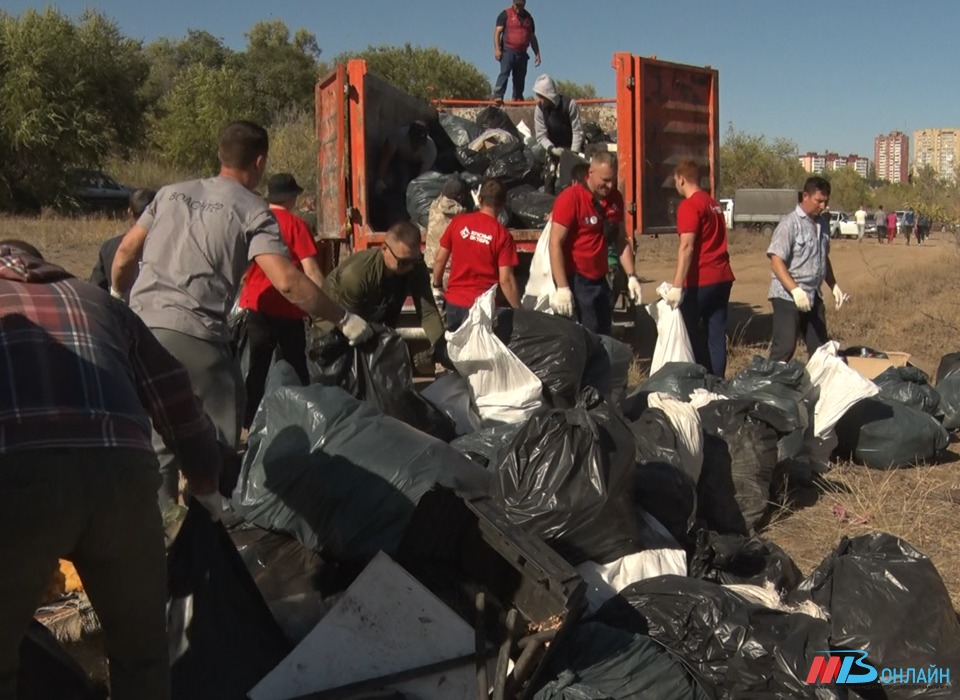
column 484, row 446
column 949, row 364
column 598, row 661
column 339, row 476
column 380, row 372
column 529, row 207
column 887, row 599
column 884, row 434
column 656, row 438
column 47, row 671
column 728, row 559
column 551, row 347
column 223, row 639
column 473, row 162
column 909, row 386
column 734, row 648
column 948, row 387
column 669, row 494
column 566, row 477
column 495, row 118
column 512, row 164
column 740, row 474
column 679, row 379
column 422, row 192
column 461, row 132
column 592, row 133
column 608, row 369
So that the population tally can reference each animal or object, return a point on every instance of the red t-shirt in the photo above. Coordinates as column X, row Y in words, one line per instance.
column 585, row 250
column 479, row 246
column 701, row 215
column 258, row 294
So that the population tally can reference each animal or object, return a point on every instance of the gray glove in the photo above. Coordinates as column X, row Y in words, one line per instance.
column 557, row 151
column 355, row 328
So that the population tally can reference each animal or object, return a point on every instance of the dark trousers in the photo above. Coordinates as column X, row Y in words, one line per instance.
column 591, row 303
column 789, row 323
column 515, row 63
column 264, row 335
column 96, row 507
column 704, row 312
column 881, row 233
column 454, row 316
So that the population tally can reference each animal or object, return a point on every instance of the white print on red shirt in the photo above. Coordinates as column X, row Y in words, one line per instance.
column 476, row 236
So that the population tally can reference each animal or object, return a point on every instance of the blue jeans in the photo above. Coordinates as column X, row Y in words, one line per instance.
column 591, row 303
column 516, row 63
column 704, row 312
column 455, row 316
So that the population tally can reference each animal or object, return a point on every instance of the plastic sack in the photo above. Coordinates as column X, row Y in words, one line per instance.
column 451, row 394
column 949, row 364
column 495, row 118
column 529, row 207
column 909, row 386
column 47, row 670
column 504, row 390
column 592, row 133
column 461, row 131
column 540, row 284
column 686, row 425
column 473, row 162
column 421, row 193
column 679, row 379
column 727, row 559
column 338, row 475
column 734, row 648
column 605, row 663
column 840, row 387
column 511, row 164
column 566, row 477
column 673, row 343
column 484, row 446
column 669, row 495
column 879, row 577
column 608, row 369
column 223, row 639
column 949, row 390
column 884, row 434
column 551, row 347
column 380, row 372
column 491, row 138
column 740, row 464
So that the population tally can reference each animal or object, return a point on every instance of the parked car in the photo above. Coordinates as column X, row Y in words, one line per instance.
column 843, row 226
column 94, row 190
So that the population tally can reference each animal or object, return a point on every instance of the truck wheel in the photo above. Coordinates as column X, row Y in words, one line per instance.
column 767, row 229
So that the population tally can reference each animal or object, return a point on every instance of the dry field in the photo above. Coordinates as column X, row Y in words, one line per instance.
column 903, row 298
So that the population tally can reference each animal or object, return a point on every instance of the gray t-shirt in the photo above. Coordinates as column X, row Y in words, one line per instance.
column 202, row 234
column 804, row 245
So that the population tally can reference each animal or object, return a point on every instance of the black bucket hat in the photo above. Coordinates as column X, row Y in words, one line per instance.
column 281, row 187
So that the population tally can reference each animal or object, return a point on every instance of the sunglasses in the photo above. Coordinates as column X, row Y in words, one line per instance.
column 403, row 262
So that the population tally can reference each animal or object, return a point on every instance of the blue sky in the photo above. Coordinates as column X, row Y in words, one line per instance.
column 826, row 75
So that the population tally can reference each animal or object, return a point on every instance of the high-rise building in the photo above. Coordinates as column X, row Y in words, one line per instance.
column 891, row 156
column 821, row 162
column 939, row 149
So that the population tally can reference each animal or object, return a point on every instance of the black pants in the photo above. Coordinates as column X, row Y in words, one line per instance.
column 881, row 233
column 789, row 323
column 591, row 303
column 264, row 335
column 705, row 313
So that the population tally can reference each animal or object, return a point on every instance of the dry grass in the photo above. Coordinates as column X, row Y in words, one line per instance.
column 71, row 242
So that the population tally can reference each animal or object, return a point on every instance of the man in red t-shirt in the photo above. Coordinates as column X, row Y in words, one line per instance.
column 272, row 320
column 703, row 279
column 586, row 216
column 481, row 252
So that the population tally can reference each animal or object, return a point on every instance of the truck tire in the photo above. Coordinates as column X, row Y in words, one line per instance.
column 767, row 229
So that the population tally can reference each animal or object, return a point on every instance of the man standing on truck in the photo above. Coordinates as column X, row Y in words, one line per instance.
column 195, row 241
column 799, row 255
column 375, row 282
column 703, row 278
column 514, row 33
column 586, row 216
column 481, row 253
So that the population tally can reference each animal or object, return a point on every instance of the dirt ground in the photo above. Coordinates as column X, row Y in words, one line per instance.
column 902, row 298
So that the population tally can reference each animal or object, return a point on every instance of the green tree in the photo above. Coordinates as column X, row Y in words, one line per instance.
column 747, row 160
column 70, row 96
column 577, row 91
column 203, row 100
column 167, row 58
column 848, row 190
column 424, row 72
column 283, row 69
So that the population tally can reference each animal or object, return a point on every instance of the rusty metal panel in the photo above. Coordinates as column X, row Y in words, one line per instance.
column 627, row 138
column 332, row 164
column 679, row 120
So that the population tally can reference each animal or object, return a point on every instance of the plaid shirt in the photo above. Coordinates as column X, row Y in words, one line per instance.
column 81, row 370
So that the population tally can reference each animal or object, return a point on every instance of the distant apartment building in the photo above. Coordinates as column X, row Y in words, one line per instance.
column 891, row 156
column 822, row 162
column 939, row 149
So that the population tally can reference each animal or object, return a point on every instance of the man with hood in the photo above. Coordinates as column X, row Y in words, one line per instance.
column 556, row 119
column 84, row 378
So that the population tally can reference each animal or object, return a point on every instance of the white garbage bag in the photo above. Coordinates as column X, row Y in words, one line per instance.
column 504, row 390
column 673, row 343
column 840, row 388
column 540, row 285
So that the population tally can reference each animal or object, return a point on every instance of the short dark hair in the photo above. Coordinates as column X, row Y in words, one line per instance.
column 689, row 170
column 815, row 183
column 140, row 200
column 493, row 192
column 22, row 246
column 405, row 232
column 579, row 172
column 241, row 143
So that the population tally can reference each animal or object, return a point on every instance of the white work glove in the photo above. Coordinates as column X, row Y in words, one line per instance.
column 379, row 187
column 561, row 301
column 801, row 299
column 634, row 290
column 838, row 296
column 355, row 328
column 117, row 294
column 674, row 296
column 438, row 298
column 213, row 503
column 557, row 151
